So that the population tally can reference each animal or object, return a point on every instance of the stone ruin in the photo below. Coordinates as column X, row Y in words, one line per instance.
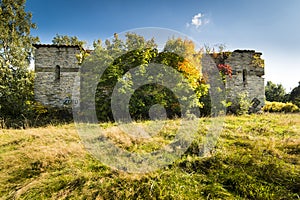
column 56, row 68
column 247, row 77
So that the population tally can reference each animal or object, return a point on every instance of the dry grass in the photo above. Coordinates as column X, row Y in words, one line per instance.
column 256, row 157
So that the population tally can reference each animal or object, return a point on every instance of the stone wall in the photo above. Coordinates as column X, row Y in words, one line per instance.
column 247, row 76
column 56, row 68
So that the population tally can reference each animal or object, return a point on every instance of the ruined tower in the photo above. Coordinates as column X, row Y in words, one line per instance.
column 247, row 77
column 56, row 67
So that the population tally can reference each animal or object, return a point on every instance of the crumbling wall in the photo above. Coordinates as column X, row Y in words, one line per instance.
column 247, row 76
column 56, row 67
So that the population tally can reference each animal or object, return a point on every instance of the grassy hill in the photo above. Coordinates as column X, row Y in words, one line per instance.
column 257, row 157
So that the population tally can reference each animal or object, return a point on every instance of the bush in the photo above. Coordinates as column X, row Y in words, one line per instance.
column 280, row 107
column 275, row 92
column 37, row 115
column 244, row 104
column 241, row 105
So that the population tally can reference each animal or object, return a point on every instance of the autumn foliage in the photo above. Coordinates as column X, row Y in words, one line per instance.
column 225, row 69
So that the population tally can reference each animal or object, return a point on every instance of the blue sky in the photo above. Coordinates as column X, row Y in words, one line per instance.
column 268, row 26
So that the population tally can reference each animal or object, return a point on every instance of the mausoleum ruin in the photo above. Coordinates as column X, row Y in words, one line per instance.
column 56, row 68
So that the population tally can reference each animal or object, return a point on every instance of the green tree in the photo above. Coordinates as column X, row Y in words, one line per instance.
column 295, row 95
column 16, row 82
column 67, row 40
column 72, row 40
column 134, row 42
column 116, row 57
column 275, row 92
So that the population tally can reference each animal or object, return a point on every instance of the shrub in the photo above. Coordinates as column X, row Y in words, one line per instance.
column 275, row 92
column 280, row 107
column 241, row 105
column 244, row 104
column 37, row 115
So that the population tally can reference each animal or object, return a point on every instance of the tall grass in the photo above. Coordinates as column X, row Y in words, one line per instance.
column 256, row 157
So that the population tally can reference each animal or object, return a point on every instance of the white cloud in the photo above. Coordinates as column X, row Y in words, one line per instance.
column 197, row 21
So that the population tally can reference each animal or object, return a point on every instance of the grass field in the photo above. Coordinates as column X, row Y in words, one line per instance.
column 256, row 157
